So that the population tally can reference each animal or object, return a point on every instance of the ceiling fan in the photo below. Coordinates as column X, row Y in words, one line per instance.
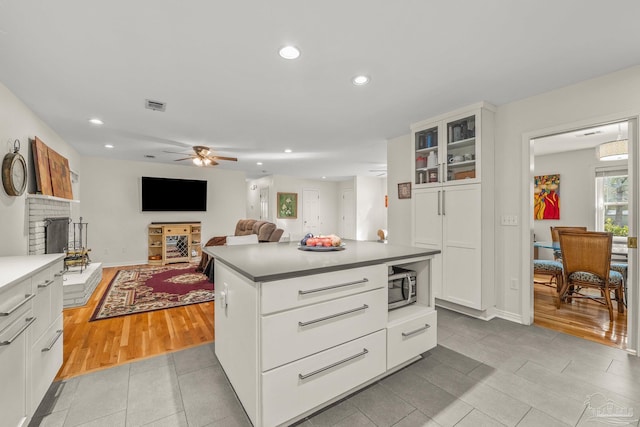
column 203, row 156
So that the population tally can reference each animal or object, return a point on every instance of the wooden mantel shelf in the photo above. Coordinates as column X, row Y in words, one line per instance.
column 42, row 196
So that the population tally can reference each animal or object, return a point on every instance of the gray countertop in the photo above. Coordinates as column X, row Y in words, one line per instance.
column 266, row 262
column 15, row 268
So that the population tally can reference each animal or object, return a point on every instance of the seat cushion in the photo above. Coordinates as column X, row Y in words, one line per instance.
column 615, row 278
column 547, row 266
column 244, row 227
column 620, row 267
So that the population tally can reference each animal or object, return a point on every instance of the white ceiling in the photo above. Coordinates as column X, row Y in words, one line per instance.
column 216, row 66
column 580, row 139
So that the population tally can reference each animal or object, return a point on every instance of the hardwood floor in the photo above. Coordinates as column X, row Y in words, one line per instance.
column 582, row 318
column 91, row 346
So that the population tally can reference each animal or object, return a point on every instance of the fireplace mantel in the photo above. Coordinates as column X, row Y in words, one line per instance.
column 59, row 199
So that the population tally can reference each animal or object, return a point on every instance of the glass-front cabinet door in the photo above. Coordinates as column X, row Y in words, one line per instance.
column 427, row 156
column 462, row 150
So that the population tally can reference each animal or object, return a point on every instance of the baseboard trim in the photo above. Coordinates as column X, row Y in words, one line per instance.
column 487, row 314
column 506, row 315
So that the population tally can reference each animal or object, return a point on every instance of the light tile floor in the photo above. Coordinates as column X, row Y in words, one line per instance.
column 494, row 373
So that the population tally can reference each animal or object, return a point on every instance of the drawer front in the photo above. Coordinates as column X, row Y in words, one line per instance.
column 46, row 360
column 42, row 284
column 324, row 376
column 300, row 291
column 411, row 338
column 15, row 301
column 177, row 230
column 298, row 333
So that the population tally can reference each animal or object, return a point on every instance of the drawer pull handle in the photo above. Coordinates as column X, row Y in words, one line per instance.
column 56, row 338
column 326, row 288
column 26, row 299
column 29, row 321
column 45, row 284
column 59, row 274
column 333, row 365
column 424, row 328
column 331, row 316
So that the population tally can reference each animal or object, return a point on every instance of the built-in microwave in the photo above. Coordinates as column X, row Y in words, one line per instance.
column 402, row 287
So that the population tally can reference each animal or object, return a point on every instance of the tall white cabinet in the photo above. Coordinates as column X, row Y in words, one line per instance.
column 453, row 205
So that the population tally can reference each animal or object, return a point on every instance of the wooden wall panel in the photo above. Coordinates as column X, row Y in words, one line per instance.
column 41, row 165
column 60, row 175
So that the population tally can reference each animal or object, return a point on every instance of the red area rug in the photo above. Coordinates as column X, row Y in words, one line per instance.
column 154, row 288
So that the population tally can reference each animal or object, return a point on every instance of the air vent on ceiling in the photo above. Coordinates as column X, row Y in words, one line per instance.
column 155, row 105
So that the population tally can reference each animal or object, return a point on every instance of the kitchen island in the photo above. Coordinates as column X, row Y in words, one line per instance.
column 297, row 330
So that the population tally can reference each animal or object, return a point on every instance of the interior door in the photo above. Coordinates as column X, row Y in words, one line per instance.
column 348, row 220
column 264, row 203
column 310, row 211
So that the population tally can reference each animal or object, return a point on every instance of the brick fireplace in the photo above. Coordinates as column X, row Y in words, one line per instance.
column 77, row 285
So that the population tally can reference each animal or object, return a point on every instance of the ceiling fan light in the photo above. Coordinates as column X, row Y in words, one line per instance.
column 614, row 150
column 206, row 161
column 197, row 161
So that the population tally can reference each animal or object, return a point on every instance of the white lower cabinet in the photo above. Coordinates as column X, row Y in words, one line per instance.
column 30, row 333
column 302, row 385
column 46, row 359
column 13, row 371
column 408, row 339
column 294, row 334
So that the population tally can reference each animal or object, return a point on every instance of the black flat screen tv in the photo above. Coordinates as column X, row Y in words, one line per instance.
column 169, row 194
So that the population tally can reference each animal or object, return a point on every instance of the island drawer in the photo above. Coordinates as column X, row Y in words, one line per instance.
column 410, row 338
column 303, row 385
column 14, row 301
column 298, row 333
column 300, row 291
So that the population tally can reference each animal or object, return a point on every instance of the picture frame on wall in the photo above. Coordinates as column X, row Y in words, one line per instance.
column 546, row 197
column 404, row 190
column 287, row 205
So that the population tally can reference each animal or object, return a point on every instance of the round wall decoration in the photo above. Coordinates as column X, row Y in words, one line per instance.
column 14, row 172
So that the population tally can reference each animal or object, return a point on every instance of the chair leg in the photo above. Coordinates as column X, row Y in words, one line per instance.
column 607, row 297
column 561, row 290
column 620, row 299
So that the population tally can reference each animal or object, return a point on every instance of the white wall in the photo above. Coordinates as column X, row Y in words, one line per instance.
column 328, row 192
column 371, row 214
column 399, row 170
column 110, row 197
column 612, row 95
column 616, row 94
column 577, row 191
column 17, row 121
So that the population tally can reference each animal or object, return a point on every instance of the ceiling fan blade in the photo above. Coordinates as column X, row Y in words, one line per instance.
column 174, row 152
column 233, row 159
column 213, row 163
column 186, row 158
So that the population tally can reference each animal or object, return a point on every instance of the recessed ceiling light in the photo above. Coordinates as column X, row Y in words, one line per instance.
column 259, row 163
column 96, row 121
column 108, row 146
column 360, row 80
column 288, row 150
column 289, row 52
column 324, row 177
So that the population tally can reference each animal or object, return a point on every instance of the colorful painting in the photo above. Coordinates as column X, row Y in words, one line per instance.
column 287, row 205
column 546, row 197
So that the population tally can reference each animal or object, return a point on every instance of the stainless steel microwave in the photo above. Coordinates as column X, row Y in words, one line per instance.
column 402, row 287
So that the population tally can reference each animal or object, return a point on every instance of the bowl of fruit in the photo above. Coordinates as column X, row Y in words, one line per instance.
column 321, row 243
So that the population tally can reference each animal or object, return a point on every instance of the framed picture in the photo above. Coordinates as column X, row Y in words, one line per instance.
column 287, row 205
column 546, row 197
column 404, row 190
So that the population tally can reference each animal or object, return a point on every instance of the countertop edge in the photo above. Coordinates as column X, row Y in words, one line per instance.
column 325, row 269
column 47, row 260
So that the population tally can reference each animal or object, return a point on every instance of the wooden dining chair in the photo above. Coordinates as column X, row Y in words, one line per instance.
column 586, row 260
column 550, row 268
column 557, row 255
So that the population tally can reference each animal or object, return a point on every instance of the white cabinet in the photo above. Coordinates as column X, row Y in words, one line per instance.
column 30, row 333
column 455, row 213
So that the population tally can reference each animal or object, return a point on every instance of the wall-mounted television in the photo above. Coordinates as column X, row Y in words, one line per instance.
column 169, row 194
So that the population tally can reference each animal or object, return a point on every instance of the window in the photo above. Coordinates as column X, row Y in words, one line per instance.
column 612, row 200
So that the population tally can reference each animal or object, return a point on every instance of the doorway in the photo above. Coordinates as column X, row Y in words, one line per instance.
column 571, row 154
column 310, row 211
